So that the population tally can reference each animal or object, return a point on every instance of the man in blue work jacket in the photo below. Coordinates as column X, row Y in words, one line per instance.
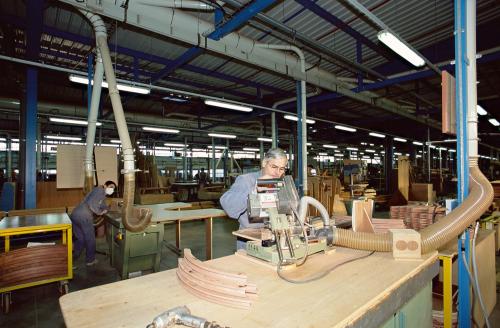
column 235, row 200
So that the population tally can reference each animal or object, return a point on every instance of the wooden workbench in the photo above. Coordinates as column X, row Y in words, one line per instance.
column 364, row 293
column 165, row 213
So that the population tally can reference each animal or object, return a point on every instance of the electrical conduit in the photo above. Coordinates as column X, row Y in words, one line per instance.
column 133, row 221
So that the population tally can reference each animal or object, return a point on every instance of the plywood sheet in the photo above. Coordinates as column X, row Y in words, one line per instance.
column 69, row 165
column 106, row 161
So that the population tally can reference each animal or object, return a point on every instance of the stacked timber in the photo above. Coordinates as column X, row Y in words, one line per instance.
column 384, row 225
column 417, row 216
column 229, row 289
column 324, row 189
column 33, row 264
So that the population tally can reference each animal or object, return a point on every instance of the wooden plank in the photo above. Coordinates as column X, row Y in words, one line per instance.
column 361, row 216
column 106, row 162
column 69, row 165
column 363, row 284
column 47, row 195
column 187, row 215
column 404, row 176
column 422, row 192
column 448, row 114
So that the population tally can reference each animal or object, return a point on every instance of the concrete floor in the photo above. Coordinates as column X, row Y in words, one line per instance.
column 38, row 307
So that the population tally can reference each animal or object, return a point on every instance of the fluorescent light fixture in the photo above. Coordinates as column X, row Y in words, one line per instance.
column 153, row 129
column 399, row 154
column 217, row 147
column 222, row 135
column 63, row 138
column 115, row 141
column 294, row 118
column 417, row 143
column 351, row 148
column 71, row 121
column 251, row 149
column 265, row 139
column 452, row 150
column 122, row 87
column 369, row 150
column 330, row 146
column 173, row 144
column 433, row 147
column 176, row 99
column 400, row 139
column 364, row 144
column 228, row 105
column 443, row 148
column 323, row 154
column 377, row 135
column 481, row 111
column 400, row 48
column 494, row 122
column 345, row 128
column 308, row 144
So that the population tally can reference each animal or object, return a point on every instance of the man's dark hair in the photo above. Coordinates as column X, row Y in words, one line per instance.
column 109, row 182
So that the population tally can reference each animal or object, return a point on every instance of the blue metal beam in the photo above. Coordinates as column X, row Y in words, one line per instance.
column 321, row 12
column 18, row 22
column 240, row 18
column 220, row 31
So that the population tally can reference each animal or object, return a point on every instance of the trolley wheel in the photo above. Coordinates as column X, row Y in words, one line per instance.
column 6, row 302
column 64, row 287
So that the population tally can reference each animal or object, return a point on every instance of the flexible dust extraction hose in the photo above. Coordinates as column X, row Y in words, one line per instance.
column 138, row 220
column 438, row 234
column 303, row 207
column 91, row 124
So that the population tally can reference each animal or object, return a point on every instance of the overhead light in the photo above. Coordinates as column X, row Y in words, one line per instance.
column 345, row 128
column 399, row 154
column 369, row 150
column 173, row 144
column 417, row 143
column 115, row 141
column 294, row 118
column 330, row 146
column 217, row 147
column 378, row 135
column 71, row 121
column 63, row 138
column 494, row 122
column 222, row 135
column 179, row 98
column 265, row 139
column 251, row 149
column 122, row 87
column 452, row 150
column 153, row 129
column 400, row 139
column 481, row 111
column 400, row 48
column 443, row 148
column 323, row 154
column 351, row 148
column 228, row 105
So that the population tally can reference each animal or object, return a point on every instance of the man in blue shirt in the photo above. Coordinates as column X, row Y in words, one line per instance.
column 235, row 200
column 82, row 218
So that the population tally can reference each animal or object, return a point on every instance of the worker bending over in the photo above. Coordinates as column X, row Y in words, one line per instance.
column 82, row 218
column 235, row 200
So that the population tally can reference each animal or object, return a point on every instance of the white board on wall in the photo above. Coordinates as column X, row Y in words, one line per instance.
column 70, row 167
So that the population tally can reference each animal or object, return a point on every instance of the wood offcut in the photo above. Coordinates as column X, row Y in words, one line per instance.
column 217, row 286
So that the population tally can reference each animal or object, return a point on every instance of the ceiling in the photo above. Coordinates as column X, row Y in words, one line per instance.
column 338, row 42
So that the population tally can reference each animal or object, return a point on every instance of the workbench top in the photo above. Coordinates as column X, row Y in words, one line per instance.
column 205, row 213
column 347, row 296
column 34, row 222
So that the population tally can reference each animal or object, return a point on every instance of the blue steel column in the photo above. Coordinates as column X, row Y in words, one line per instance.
column 464, row 306
column 34, row 15
column 298, row 157
column 30, row 121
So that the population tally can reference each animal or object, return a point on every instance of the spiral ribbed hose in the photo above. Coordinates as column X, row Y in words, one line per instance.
column 440, row 233
column 134, row 220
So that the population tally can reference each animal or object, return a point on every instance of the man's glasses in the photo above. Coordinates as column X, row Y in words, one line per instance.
column 276, row 167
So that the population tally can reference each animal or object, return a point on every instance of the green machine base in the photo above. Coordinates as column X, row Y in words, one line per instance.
column 270, row 253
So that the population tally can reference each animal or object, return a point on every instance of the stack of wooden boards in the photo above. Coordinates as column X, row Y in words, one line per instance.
column 37, row 263
column 417, row 216
column 324, row 189
column 230, row 289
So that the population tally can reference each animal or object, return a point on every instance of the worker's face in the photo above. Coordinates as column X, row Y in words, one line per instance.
column 274, row 168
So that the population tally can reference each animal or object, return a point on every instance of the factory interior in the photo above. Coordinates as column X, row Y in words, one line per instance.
column 249, row 163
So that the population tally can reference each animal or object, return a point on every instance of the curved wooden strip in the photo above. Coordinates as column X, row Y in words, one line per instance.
column 241, row 277
column 209, row 284
column 210, row 297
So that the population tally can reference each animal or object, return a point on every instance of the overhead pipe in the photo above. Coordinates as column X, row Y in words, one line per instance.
column 92, row 121
column 303, row 108
column 181, row 4
column 138, row 220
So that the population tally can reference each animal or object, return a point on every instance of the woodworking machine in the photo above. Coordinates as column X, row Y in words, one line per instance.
column 287, row 238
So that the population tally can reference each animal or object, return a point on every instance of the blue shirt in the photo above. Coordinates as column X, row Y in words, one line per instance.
column 235, row 200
